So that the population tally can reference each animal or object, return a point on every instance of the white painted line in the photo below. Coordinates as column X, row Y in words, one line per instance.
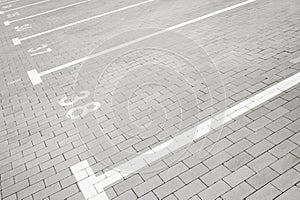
column 295, row 60
column 15, row 81
column 18, row 8
column 143, row 38
column 46, row 12
column 89, row 183
column 16, row 41
column 7, row 2
column 6, row 23
column 85, row 20
column 34, row 77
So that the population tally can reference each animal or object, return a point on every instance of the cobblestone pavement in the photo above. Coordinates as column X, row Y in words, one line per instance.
column 149, row 100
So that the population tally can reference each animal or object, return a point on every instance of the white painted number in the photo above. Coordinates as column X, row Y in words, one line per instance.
column 22, row 28
column 83, row 109
column 63, row 102
column 13, row 14
column 39, row 50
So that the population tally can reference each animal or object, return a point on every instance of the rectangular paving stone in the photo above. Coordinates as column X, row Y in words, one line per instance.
column 283, row 148
column 238, row 176
column 285, row 163
column 286, row 180
column 262, row 177
column 190, row 190
column 217, row 159
column 260, row 148
column 238, row 147
column 173, row 171
column 259, row 123
column 147, row 186
column 215, row 175
column 168, row 188
column 128, row 184
column 214, row 191
column 268, row 192
column 239, row 192
column 262, row 161
column 292, row 194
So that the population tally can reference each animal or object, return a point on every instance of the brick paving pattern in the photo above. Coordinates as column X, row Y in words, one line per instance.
column 257, row 156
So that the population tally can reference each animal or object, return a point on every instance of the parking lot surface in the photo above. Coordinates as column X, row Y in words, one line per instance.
column 149, row 100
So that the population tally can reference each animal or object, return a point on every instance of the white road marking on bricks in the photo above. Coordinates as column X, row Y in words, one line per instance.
column 36, row 77
column 295, row 60
column 93, row 187
column 6, row 23
column 15, row 81
column 7, row 2
column 85, row 20
column 18, row 8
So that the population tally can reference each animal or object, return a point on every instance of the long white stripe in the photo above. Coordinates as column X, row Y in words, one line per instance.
column 49, row 11
column 85, row 20
column 92, row 187
column 32, row 4
column 38, row 75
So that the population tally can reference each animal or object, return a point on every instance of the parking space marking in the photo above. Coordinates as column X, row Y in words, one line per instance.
column 93, row 187
column 6, row 23
column 35, row 76
column 7, row 2
column 18, row 8
column 81, row 21
column 295, row 60
column 15, row 81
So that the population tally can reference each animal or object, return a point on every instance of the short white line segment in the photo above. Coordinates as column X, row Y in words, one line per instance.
column 7, row 2
column 35, row 77
column 6, row 23
column 84, row 20
column 18, row 8
column 93, row 187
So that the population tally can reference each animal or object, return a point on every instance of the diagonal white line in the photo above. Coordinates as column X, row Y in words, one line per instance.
column 32, row 4
column 37, row 76
column 92, row 186
column 85, row 20
column 49, row 11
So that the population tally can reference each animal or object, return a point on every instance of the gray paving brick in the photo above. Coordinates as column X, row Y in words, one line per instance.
column 285, row 163
column 238, row 176
column 295, row 127
column 278, row 124
column 291, row 194
column 283, row 148
column 168, row 188
column 259, row 123
column 147, row 186
column 30, row 190
column 287, row 180
column 260, row 148
column 239, row 192
column 262, row 177
column 239, row 147
column 215, row 175
column 268, row 192
column 128, row 184
column 277, row 113
column 259, row 135
column 127, row 195
column 214, row 191
column 190, row 190
column 65, row 193
column 173, row 171
column 238, row 161
column 193, row 173
column 261, row 162
column 280, row 136
column 240, row 134
column 217, row 159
